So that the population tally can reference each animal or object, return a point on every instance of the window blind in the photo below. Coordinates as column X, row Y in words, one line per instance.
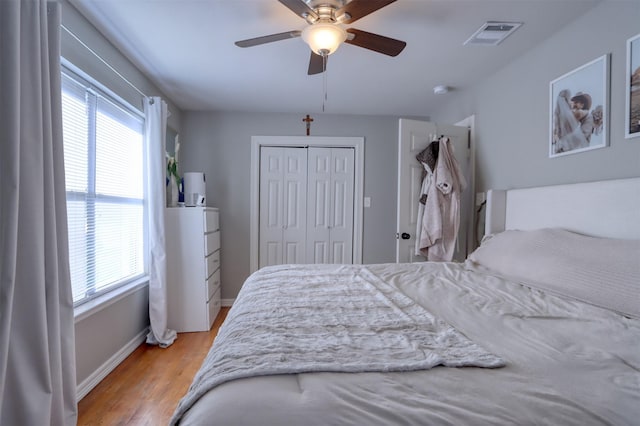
column 104, row 174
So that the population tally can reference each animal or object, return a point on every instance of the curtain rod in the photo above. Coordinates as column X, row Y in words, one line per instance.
column 105, row 62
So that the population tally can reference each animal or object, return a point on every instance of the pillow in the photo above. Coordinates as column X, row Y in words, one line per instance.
column 602, row 271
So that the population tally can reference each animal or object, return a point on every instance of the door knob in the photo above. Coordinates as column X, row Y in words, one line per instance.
column 405, row 236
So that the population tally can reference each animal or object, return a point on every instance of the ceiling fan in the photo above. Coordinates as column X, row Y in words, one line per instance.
column 325, row 33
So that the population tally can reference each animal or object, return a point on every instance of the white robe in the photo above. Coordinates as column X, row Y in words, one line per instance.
column 440, row 221
column 426, row 184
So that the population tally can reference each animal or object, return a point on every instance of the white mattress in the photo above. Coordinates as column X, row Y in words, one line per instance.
column 568, row 363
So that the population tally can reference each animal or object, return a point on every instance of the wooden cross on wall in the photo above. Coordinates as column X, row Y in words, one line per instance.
column 308, row 120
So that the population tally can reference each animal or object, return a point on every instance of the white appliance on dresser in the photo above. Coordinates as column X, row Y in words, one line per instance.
column 193, row 267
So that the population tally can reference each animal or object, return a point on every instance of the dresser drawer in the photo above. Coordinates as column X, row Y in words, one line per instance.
column 211, row 242
column 213, row 284
column 212, row 263
column 214, row 307
column 211, row 221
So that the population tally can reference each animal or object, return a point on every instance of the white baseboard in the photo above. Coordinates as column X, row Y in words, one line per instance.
column 97, row 376
column 227, row 302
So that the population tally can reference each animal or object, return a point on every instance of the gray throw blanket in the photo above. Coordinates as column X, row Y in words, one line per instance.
column 327, row 318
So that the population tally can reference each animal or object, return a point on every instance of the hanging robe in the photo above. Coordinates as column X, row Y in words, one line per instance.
column 427, row 158
column 441, row 219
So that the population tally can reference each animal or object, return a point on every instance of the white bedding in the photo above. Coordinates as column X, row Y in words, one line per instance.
column 286, row 321
column 567, row 362
column 602, row 271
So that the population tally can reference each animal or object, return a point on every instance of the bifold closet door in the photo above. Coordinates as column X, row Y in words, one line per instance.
column 283, row 205
column 330, row 205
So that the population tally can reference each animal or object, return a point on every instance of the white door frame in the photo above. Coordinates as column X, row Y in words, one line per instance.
column 357, row 143
column 472, row 236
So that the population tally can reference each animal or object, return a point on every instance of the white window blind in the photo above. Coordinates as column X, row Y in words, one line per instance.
column 104, row 168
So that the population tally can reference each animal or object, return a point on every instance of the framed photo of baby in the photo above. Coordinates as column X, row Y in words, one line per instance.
column 632, row 121
column 579, row 109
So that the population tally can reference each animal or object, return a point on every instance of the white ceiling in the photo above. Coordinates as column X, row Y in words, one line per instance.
column 187, row 48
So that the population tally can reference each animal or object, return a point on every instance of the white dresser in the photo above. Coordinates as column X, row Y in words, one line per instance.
column 193, row 267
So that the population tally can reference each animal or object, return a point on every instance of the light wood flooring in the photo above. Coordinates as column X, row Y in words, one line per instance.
column 146, row 387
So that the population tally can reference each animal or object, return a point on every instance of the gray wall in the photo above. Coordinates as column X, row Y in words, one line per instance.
column 75, row 52
column 105, row 333
column 512, row 107
column 218, row 143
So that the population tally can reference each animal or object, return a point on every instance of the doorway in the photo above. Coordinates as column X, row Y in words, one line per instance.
column 414, row 136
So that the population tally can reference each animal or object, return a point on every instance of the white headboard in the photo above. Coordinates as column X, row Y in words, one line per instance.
column 608, row 208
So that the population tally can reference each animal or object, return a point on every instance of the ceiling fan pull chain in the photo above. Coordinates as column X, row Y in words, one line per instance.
column 324, row 79
column 324, row 89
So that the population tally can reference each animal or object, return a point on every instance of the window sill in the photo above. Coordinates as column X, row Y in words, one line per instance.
column 99, row 303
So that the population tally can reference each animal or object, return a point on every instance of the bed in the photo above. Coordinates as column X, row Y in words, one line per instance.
column 541, row 325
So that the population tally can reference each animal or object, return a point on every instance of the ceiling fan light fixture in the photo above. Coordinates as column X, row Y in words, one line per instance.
column 324, row 38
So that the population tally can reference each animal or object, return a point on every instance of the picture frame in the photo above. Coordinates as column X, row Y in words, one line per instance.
column 632, row 89
column 579, row 109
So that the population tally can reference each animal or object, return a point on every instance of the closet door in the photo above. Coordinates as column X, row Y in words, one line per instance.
column 330, row 205
column 283, row 202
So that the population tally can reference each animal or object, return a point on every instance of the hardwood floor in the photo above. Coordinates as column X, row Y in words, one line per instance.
column 146, row 387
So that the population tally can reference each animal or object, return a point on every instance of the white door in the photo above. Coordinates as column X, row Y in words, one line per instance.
column 414, row 136
column 330, row 205
column 283, row 203
column 257, row 242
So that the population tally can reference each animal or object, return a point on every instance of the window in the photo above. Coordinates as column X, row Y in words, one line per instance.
column 104, row 168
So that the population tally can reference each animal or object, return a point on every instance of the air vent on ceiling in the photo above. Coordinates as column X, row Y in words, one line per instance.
column 492, row 33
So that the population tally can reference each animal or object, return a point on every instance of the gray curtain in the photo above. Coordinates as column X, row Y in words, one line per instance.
column 37, row 361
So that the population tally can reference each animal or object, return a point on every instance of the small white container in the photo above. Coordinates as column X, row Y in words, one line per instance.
column 194, row 189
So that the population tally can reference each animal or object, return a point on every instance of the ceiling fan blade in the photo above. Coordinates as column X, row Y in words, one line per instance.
column 300, row 8
column 375, row 42
column 268, row 39
column 317, row 64
column 361, row 8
